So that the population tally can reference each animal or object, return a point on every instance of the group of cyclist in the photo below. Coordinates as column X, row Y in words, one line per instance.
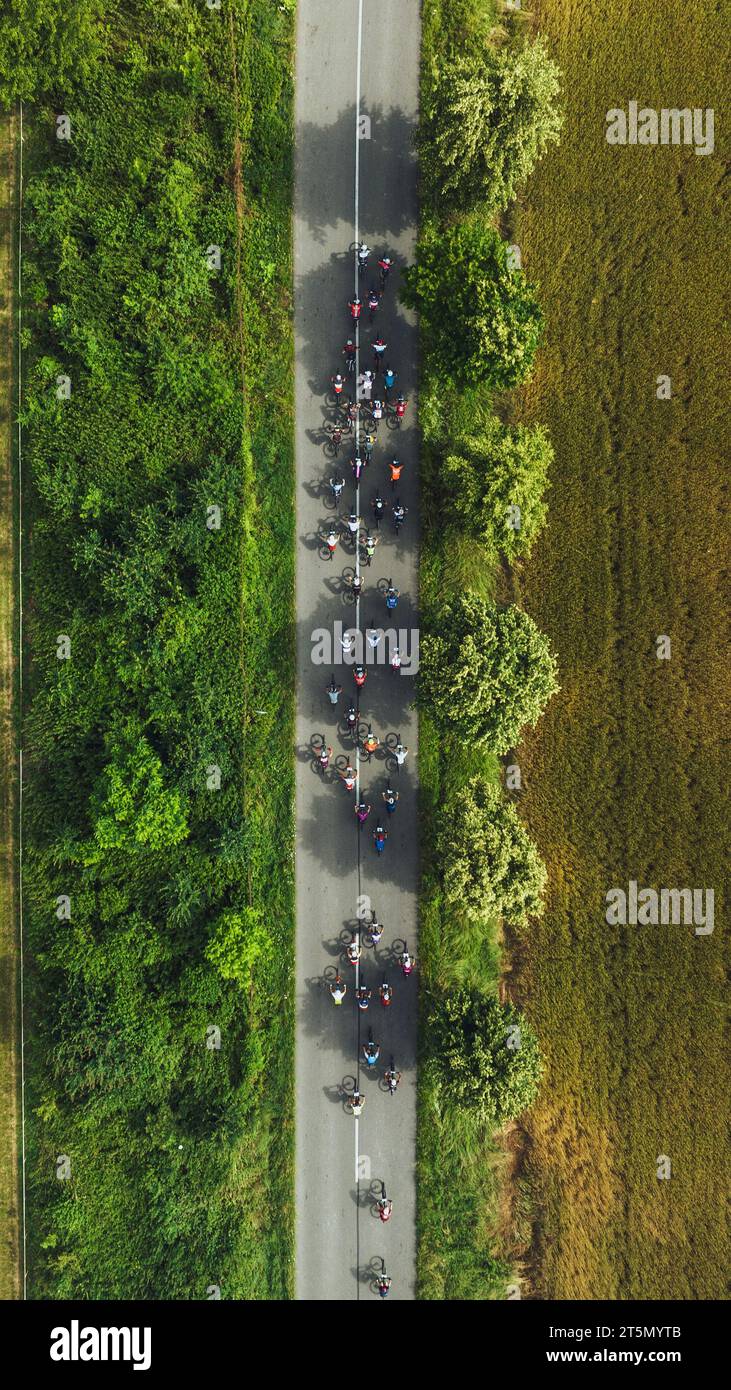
column 376, row 397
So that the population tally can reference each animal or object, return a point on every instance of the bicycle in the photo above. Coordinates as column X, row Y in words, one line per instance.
column 363, row 251
column 335, row 488
column 396, row 414
column 399, row 515
column 334, row 438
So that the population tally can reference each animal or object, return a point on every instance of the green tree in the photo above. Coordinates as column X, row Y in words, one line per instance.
column 485, row 671
column 132, row 805
column 491, row 866
column 480, row 318
column 491, row 119
column 47, row 44
column 486, row 1056
column 494, row 483
column 239, row 943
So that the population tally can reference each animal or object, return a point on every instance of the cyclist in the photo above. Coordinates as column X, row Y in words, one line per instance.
column 336, row 436
column 371, row 1051
column 333, row 691
column 401, row 404
column 384, row 1204
column 365, row 382
column 351, row 717
column 362, row 811
column 347, row 642
column 379, row 347
column 363, row 995
column 397, row 469
column 400, row 753
column 390, row 797
column 359, row 676
column 356, row 1103
column 379, row 506
column 347, row 776
column 369, row 440
column 356, row 584
column 374, row 300
column 395, row 661
column 383, row 1284
column 354, row 950
column 369, row 545
column 355, row 308
column 377, row 412
column 323, row 757
column 353, row 411
column 337, row 381
column 363, row 254
column 336, row 483
column 370, row 744
column 338, row 990
column 392, row 596
column 385, row 266
column 386, row 994
column 349, row 355
column 375, row 931
column 399, row 514
column 389, row 380
column 331, row 541
column 373, row 636
column 392, row 1078
column 379, row 838
column 407, row 963
column 354, row 524
column 357, row 464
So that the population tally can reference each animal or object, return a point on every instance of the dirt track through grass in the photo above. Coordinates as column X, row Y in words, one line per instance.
column 9, row 1062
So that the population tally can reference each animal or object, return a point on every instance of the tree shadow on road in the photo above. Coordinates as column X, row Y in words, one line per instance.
column 325, row 173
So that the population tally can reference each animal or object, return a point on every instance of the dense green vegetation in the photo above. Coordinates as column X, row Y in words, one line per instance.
column 159, row 494
column 490, row 867
column 480, row 324
column 486, row 671
column 480, row 320
column 485, row 1057
column 492, row 485
column 492, row 116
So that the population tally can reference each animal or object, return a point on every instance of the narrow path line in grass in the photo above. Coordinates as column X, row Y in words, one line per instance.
column 10, row 1243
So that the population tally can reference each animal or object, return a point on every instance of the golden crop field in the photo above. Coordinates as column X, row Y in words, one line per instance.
column 625, row 777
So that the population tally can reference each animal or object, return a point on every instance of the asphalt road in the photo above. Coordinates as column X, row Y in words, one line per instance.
column 354, row 58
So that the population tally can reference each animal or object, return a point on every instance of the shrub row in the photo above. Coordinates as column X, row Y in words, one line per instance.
column 158, row 868
column 488, row 111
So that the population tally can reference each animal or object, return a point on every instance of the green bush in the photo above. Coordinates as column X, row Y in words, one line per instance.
column 486, row 1056
column 490, row 866
column 486, row 476
column 485, row 671
column 480, row 320
column 492, row 116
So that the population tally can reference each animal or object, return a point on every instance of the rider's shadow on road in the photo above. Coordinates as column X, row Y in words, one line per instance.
column 325, row 159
